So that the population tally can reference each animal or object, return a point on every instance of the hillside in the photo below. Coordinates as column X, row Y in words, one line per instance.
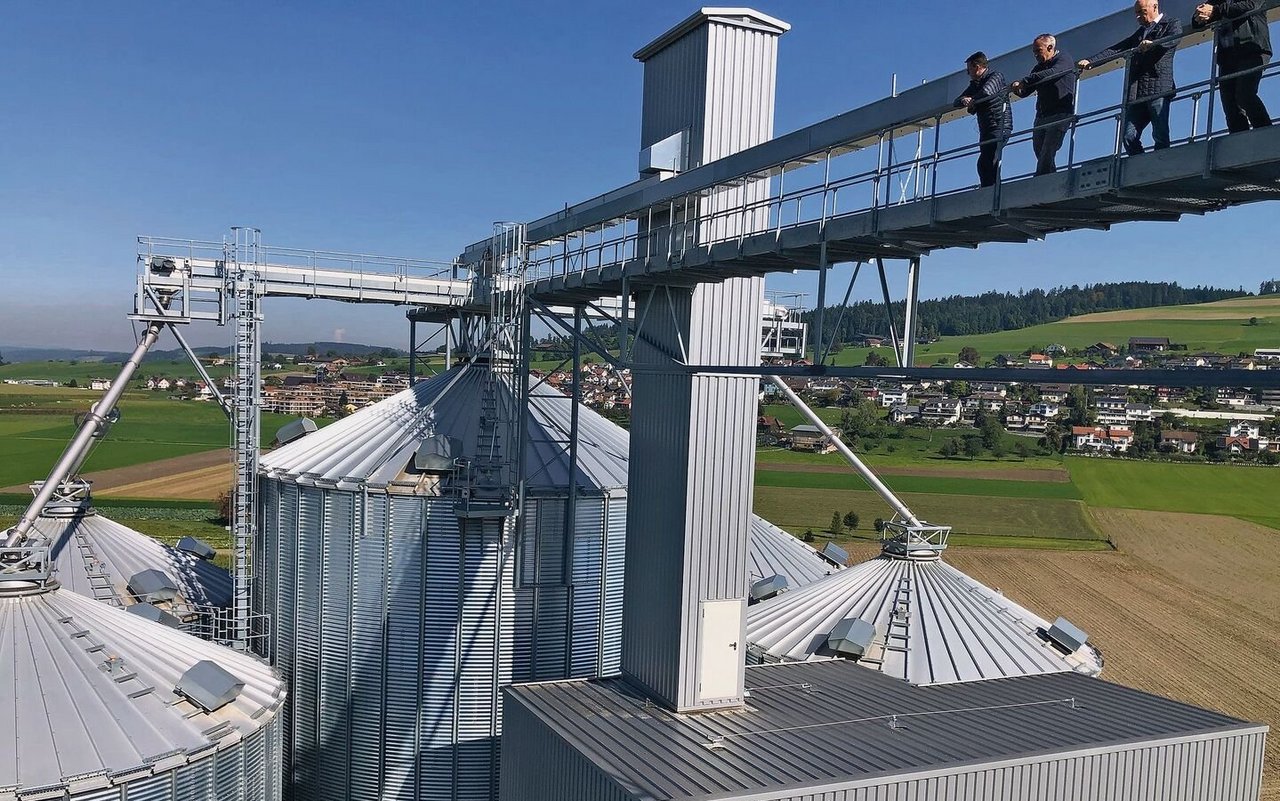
column 1222, row 326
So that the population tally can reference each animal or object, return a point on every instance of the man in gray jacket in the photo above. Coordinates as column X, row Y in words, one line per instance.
column 1151, row 87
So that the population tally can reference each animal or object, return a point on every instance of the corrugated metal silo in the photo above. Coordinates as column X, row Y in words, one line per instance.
column 396, row 621
column 103, row 705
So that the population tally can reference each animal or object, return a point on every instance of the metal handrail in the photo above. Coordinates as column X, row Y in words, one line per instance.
column 626, row 239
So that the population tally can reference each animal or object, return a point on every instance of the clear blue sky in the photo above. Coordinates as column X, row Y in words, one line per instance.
column 406, row 128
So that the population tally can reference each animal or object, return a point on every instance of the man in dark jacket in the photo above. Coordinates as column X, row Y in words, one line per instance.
column 987, row 99
column 1053, row 79
column 1244, row 45
column 1151, row 86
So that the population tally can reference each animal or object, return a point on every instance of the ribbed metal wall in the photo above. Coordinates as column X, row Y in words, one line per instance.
column 693, row 438
column 675, row 89
column 396, row 629
column 246, row 771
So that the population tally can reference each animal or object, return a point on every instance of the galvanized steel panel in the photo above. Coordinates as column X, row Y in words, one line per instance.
column 822, row 730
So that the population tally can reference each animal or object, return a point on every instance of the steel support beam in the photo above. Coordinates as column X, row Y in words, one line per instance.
column 911, row 319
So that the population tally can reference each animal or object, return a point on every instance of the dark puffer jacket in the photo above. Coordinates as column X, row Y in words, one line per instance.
column 1246, row 31
column 990, row 104
column 1151, row 73
column 1054, row 83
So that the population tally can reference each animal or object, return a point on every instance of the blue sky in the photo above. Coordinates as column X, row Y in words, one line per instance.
column 406, row 128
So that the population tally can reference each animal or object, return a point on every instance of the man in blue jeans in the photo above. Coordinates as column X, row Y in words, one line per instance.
column 1151, row 87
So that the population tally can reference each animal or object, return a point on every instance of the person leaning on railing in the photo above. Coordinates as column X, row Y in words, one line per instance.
column 1053, row 79
column 1243, row 39
column 1151, row 87
column 987, row 99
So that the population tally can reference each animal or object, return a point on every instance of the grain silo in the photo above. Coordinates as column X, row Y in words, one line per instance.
column 104, row 705
column 104, row 560
column 909, row 614
column 396, row 620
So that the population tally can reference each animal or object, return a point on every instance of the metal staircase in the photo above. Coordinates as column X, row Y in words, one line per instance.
column 241, row 275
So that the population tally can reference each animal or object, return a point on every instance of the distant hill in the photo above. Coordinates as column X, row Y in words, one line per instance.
column 18, row 354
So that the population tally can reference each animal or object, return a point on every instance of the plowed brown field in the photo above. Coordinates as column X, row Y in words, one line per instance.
column 1185, row 609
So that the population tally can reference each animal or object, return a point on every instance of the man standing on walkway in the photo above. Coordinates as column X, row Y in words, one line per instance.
column 1053, row 79
column 1151, row 86
column 1244, row 45
column 987, row 99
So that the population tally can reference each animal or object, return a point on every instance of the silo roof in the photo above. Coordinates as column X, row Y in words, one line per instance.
column 95, row 557
column 933, row 623
column 89, row 694
column 373, row 446
column 774, row 552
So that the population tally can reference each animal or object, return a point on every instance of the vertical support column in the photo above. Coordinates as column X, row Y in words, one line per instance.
column 888, row 310
column 818, row 354
column 413, row 350
column 242, row 259
column 911, row 320
column 690, row 491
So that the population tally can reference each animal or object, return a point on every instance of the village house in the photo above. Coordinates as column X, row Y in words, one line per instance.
column 1045, row 409
column 891, row 397
column 1245, row 436
column 1039, row 360
column 1103, row 350
column 1155, row 344
column 1179, row 441
column 1101, row 440
column 1234, row 396
column 986, row 401
column 1055, row 393
column 901, row 415
column 100, row 384
column 941, row 411
column 809, row 439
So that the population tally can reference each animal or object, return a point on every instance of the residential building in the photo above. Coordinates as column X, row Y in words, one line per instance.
column 1157, row 344
column 1045, row 409
column 1104, row 349
column 1234, row 396
column 941, row 411
column 1039, row 360
column 1101, row 440
column 1268, row 354
column 1245, row 436
column 986, row 401
column 900, row 415
column 809, row 438
column 892, row 397
column 1055, row 393
column 100, row 384
column 990, row 386
column 1180, row 441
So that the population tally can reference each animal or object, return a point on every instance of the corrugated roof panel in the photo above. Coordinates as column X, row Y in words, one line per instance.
column 774, row 552
column 90, row 690
column 825, row 723
column 95, row 557
column 934, row 624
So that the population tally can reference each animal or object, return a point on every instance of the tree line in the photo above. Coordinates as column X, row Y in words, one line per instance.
column 959, row 315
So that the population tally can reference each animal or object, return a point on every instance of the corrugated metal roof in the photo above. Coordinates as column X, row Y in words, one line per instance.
column 774, row 552
column 95, row 557
column 88, row 690
column 934, row 624
column 821, row 723
column 373, row 446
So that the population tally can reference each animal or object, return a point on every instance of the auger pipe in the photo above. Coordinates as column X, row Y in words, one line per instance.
column 78, row 448
column 874, row 481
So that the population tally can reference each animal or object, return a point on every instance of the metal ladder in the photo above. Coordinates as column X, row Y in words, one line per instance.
column 898, row 634
column 100, row 582
column 241, row 276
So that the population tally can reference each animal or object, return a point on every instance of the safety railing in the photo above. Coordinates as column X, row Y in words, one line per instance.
column 315, row 260
column 845, row 183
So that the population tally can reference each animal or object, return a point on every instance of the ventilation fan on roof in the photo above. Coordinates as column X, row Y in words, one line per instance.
column 766, row 588
column 207, row 685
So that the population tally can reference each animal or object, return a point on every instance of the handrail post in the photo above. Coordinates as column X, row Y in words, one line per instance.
column 1213, row 89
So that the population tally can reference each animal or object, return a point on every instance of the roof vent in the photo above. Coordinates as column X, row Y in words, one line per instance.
column 851, row 637
column 196, row 547
column 154, row 614
column 766, row 588
column 296, row 430
column 153, row 585
column 207, row 685
column 1066, row 636
column 835, row 554
column 436, row 454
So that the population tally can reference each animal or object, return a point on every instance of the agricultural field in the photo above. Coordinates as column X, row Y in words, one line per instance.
column 64, row 371
column 1184, row 608
column 1221, row 327
column 37, row 423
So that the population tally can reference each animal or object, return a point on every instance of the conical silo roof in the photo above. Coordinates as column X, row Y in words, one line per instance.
column 931, row 623
column 373, row 446
column 97, row 557
column 774, row 552
column 91, row 698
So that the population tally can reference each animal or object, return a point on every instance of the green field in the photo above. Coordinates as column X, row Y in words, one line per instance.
column 1251, row 493
column 82, row 371
column 36, row 424
column 1222, row 327
column 958, row 485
